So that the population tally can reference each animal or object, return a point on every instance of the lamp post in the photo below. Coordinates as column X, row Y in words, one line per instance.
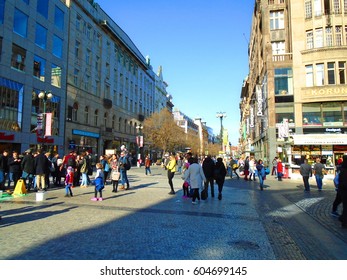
column 44, row 95
column 139, row 142
column 221, row 115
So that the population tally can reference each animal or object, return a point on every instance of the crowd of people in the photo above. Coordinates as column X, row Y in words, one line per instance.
column 38, row 169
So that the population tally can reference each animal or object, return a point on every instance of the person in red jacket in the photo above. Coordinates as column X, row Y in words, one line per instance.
column 279, row 169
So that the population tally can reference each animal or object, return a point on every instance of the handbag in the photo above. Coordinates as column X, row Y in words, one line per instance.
column 115, row 175
column 203, row 194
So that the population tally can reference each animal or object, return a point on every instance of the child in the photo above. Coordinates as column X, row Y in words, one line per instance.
column 99, row 182
column 69, row 179
column 185, row 189
column 186, row 185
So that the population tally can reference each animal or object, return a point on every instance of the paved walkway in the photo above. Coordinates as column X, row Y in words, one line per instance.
column 144, row 222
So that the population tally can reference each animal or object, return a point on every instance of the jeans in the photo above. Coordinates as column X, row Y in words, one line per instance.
column 124, row 177
column 209, row 181
column 148, row 170
column 84, row 179
column 306, row 183
column 319, row 181
column 30, row 177
column 261, row 181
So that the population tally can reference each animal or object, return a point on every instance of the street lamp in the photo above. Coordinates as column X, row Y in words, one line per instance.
column 44, row 95
column 221, row 115
column 139, row 142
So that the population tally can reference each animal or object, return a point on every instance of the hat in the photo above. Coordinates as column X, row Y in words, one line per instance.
column 28, row 151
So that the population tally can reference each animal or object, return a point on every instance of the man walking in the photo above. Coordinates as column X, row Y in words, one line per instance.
column 319, row 168
column 306, row 173
column 208, row 166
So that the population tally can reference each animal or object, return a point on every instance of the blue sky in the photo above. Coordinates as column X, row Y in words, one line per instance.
column 202, row 46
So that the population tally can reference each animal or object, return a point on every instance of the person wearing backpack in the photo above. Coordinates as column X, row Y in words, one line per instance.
column 124, row 166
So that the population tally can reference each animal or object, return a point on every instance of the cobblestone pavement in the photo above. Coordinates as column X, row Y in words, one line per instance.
column 145, row 222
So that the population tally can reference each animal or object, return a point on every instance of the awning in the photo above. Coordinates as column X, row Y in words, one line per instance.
column 320, row 139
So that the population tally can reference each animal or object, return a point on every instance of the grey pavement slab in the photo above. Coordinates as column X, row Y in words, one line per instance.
column 144, row 222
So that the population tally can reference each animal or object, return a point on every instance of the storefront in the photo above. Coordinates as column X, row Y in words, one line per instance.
column 328, row 147
column 84, row 140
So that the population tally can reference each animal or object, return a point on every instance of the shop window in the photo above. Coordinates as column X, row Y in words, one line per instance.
column 311, row 114
column 18, row 57
column 11, row 104
column 332, row 114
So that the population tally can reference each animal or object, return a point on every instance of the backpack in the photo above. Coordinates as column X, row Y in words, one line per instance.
column 127, row 165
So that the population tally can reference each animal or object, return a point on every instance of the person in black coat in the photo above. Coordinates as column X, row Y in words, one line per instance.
column 15, row 169
column 219, row 175
column 343, row 191
column 41, row 164
column 208, row 168
column 28, row 169
column 3, row 168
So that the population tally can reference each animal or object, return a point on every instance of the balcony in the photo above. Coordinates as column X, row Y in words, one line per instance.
column 285, row 57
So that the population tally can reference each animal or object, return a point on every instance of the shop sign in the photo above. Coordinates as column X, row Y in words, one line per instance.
column 320, row 139
column 85, row 133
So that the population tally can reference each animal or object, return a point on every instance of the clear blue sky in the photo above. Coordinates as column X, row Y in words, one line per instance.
column 202, row 46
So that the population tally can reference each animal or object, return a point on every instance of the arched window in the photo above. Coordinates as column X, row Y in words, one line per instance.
column 125, row 125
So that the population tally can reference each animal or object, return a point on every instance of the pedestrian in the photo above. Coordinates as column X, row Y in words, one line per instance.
column 179, row 164
column 15, row 169
column 41, row 164
column 306, row 173
column 279, row 169
column 124, row 166
column 28, row 169
column 252, row 168
column 69, row 180
column 88, row 158
column 84, row 170
column 246, row 168
column 219, row 175
column 196, row 177
column 69, row 160
column 148, row 163
column 171, row 169
column 106, row 167
column 261, row 173
column 208, row 166
column 274, row 166
column 343, row 191
column 3, row 168
column 115, row 174
column 99, row 183
column 319, row 170
column 338, row 196
column 57, row 162
column 234, row 167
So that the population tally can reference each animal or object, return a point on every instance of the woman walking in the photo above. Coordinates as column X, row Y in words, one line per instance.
column 219, row 174
column 171, row 169
column 195, row 176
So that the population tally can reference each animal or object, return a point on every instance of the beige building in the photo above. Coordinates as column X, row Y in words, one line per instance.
column 110, row 85
column 293, row 102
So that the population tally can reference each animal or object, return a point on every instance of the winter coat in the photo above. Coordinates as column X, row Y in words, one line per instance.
column 195, row 176
column 28, row 164
column 41, row 164
column 208, row 167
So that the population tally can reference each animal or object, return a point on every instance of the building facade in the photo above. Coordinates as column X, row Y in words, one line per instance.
column 33, row 60
column 293, row 102
column 110, row 85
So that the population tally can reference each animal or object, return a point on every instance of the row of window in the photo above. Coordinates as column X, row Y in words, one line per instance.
column 329, row 73
column 316, row 114
column 324, row 7
column 120, row 124
column 326, row 37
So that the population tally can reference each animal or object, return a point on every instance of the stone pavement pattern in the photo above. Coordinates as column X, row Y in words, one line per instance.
column 147, row 223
